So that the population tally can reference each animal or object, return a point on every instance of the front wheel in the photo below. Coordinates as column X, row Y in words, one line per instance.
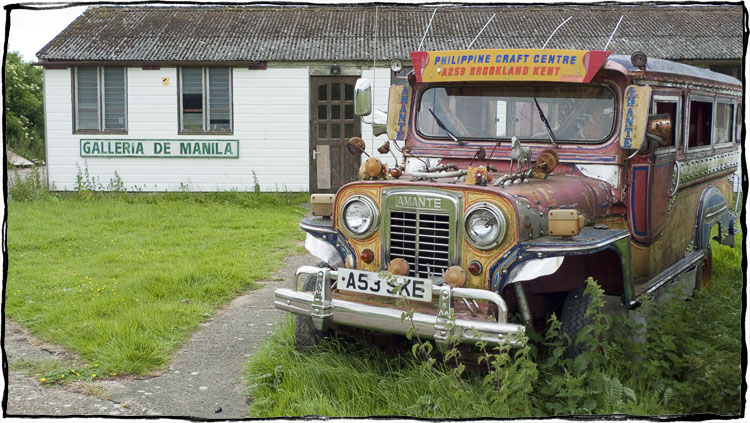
column 306, row 336
column 573, row 319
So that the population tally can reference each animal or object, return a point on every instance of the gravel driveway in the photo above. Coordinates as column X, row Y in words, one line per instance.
column 203, row 379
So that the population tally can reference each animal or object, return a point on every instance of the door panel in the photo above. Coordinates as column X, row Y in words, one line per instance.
column 332, row 123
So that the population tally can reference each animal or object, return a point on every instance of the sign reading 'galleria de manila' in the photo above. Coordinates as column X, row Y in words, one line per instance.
column 221, row 149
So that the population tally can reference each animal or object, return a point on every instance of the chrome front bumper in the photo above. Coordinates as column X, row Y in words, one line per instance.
column 325, row 310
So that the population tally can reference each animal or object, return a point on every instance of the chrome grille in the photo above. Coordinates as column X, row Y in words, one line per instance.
column 422, row 239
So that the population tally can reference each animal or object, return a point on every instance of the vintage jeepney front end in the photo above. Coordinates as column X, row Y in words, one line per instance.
column 513, row 190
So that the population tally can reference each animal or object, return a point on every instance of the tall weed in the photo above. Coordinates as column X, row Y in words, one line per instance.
column 29, row 188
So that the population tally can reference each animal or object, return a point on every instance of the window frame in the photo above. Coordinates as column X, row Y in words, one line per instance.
column 676, row 126
column 205, row 89
column 100, row 104
column 733, row 103
column 705, row 98
column 527, row 85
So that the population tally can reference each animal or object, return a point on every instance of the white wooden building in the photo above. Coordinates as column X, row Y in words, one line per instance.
column 227, row 97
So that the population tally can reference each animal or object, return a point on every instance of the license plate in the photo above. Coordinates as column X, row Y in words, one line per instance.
column 372, row 283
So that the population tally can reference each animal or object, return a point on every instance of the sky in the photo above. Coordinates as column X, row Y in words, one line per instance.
column 30, row 30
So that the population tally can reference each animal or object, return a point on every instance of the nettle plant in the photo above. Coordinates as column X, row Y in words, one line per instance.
column 522, row 381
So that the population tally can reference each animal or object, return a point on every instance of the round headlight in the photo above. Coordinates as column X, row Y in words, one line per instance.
column 484, row 226
column 359, row 216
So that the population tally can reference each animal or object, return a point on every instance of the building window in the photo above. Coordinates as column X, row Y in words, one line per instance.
column 205, row 99
column 100, row 99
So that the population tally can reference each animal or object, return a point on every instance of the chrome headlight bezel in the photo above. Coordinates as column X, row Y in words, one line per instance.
column 499, row 218
column 370, row 206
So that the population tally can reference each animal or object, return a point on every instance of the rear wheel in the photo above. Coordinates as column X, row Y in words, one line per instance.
column 573, row 319
column 306, row 336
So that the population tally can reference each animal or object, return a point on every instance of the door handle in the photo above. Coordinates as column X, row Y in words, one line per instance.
column 315, row 154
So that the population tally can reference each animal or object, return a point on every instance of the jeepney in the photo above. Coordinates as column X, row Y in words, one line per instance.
column 525, row 172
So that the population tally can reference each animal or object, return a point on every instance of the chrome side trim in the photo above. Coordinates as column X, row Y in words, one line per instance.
column 667, row 276
column 713, row 213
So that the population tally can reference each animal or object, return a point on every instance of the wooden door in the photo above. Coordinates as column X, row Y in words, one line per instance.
column 332, row 123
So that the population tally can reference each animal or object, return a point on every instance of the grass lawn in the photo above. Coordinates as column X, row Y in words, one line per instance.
column 690, row 363
column 124, row 279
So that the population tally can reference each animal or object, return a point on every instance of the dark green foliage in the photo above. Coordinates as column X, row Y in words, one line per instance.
column 686, row 360
column 24, row 112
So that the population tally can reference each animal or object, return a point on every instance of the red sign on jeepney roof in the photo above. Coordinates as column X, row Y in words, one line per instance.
column 507, row 65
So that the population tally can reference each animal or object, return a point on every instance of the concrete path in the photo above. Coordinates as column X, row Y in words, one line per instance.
column 203, row 379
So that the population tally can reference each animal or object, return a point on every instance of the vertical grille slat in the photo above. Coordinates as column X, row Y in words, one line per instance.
column 422, row 239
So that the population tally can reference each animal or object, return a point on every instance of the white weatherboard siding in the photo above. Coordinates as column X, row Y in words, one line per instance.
column 271, row 118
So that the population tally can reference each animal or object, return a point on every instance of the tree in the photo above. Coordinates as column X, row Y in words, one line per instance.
column 24, row 109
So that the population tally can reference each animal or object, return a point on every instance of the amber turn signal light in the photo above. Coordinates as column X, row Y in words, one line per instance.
column 455, row 276
column 398, row 267
column 564, row 222
column 367, row 256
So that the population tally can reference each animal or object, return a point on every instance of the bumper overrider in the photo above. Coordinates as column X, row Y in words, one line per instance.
column 324, row 310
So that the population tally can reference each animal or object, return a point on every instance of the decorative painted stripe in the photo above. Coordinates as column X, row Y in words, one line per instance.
column 639, row 200
column 185, row 149
column 693, row 169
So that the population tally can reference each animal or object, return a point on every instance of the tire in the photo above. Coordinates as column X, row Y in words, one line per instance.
column 573, row 319
column 306, row 336
column 703, row 272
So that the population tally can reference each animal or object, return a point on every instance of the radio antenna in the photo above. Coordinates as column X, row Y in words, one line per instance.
column 553, row 32
column 374, row 77
column 480, row 32
column 426, row 29
column 613, row 33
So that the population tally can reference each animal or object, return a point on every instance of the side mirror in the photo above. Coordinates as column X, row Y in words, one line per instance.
column 379, row 123
column 659, row 128
column 362, row 97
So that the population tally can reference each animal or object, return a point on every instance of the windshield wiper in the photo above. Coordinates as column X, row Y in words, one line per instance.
column 444, row 128
column 546, row 124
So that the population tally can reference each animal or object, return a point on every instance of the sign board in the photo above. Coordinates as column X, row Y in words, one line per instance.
column 507, row 65
column 185, row 149
column 398, row 112
column 636, row 102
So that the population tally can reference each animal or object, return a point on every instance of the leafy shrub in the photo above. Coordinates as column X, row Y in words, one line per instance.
column 28, row 188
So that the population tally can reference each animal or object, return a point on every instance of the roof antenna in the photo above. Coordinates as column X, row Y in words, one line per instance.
column 553, row 32
column 426, row 29
column 480, row 32
column 613, row 33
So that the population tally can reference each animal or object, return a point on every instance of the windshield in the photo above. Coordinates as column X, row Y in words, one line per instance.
column 574, row 112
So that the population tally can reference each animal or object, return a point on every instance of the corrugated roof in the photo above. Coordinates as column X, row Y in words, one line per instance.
column 343, row 33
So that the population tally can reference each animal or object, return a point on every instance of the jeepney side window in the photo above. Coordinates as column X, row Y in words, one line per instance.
column 724, row 124
column 738, row 123
column 700, row 121
column 670, row 105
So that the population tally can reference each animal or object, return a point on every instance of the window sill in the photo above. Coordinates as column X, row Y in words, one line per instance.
column 228, row 133
column 97, row 132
